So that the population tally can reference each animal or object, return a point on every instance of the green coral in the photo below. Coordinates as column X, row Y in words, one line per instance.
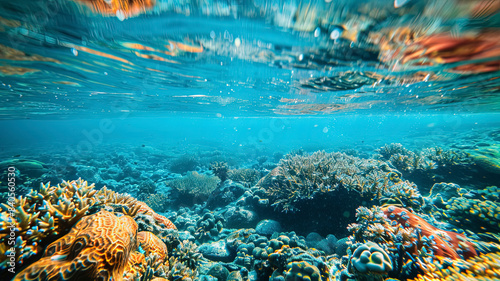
column 302, row 270
column 371, row 258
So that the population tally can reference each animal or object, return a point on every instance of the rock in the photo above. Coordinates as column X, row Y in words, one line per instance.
column 218, row 271
column 240, row 217
column 268, row 227
column 312, row 239
column 216, row 251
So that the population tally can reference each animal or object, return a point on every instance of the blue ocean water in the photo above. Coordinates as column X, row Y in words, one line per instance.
column 150, row 98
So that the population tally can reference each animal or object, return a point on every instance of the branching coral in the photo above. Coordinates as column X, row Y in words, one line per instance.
column 48, row 213
column 248, row 177
column 220, row 170
column 425, row 160
column 301, row 177
column 194, row 187
column 97, row 248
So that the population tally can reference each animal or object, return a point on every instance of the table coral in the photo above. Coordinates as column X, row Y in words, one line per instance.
column 97, row 248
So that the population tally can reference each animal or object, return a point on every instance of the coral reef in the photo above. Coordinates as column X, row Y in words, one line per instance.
column 410, row 241
column 193, row 188
column 247, row 177
column 482, row 267
column 428, row 166
column 97, row 248
column 184, row 164
column 47, row 214
column 220, row 170
column 304, row 177
column 370, row 262
column 475, row 210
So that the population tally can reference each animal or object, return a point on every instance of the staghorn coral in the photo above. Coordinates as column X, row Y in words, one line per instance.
column 248, row 177
column 300, row 178
column 44, row 214
column 429, row 165
column 220, row 170
column 97, row 248
column 136, row 266
column 187, row 253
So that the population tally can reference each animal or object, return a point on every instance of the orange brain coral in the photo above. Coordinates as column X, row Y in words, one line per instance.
column 151, row 244
column 97, row 248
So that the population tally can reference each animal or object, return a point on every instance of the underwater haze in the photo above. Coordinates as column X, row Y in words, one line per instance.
column 250, row 140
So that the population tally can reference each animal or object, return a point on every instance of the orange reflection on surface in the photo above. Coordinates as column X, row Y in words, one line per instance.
column 8, row 53
column 154, row 57
column 66, row 83
column 184, row 47
column 445, row 48
column 97, row 53
column 120, row 8
column 15, row 70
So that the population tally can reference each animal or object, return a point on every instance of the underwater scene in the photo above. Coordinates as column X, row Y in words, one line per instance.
column 249, row 140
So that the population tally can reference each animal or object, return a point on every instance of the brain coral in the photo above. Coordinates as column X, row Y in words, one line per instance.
column 370, row 257
column 151, row 244
column 302, row 270
column 97, row 248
